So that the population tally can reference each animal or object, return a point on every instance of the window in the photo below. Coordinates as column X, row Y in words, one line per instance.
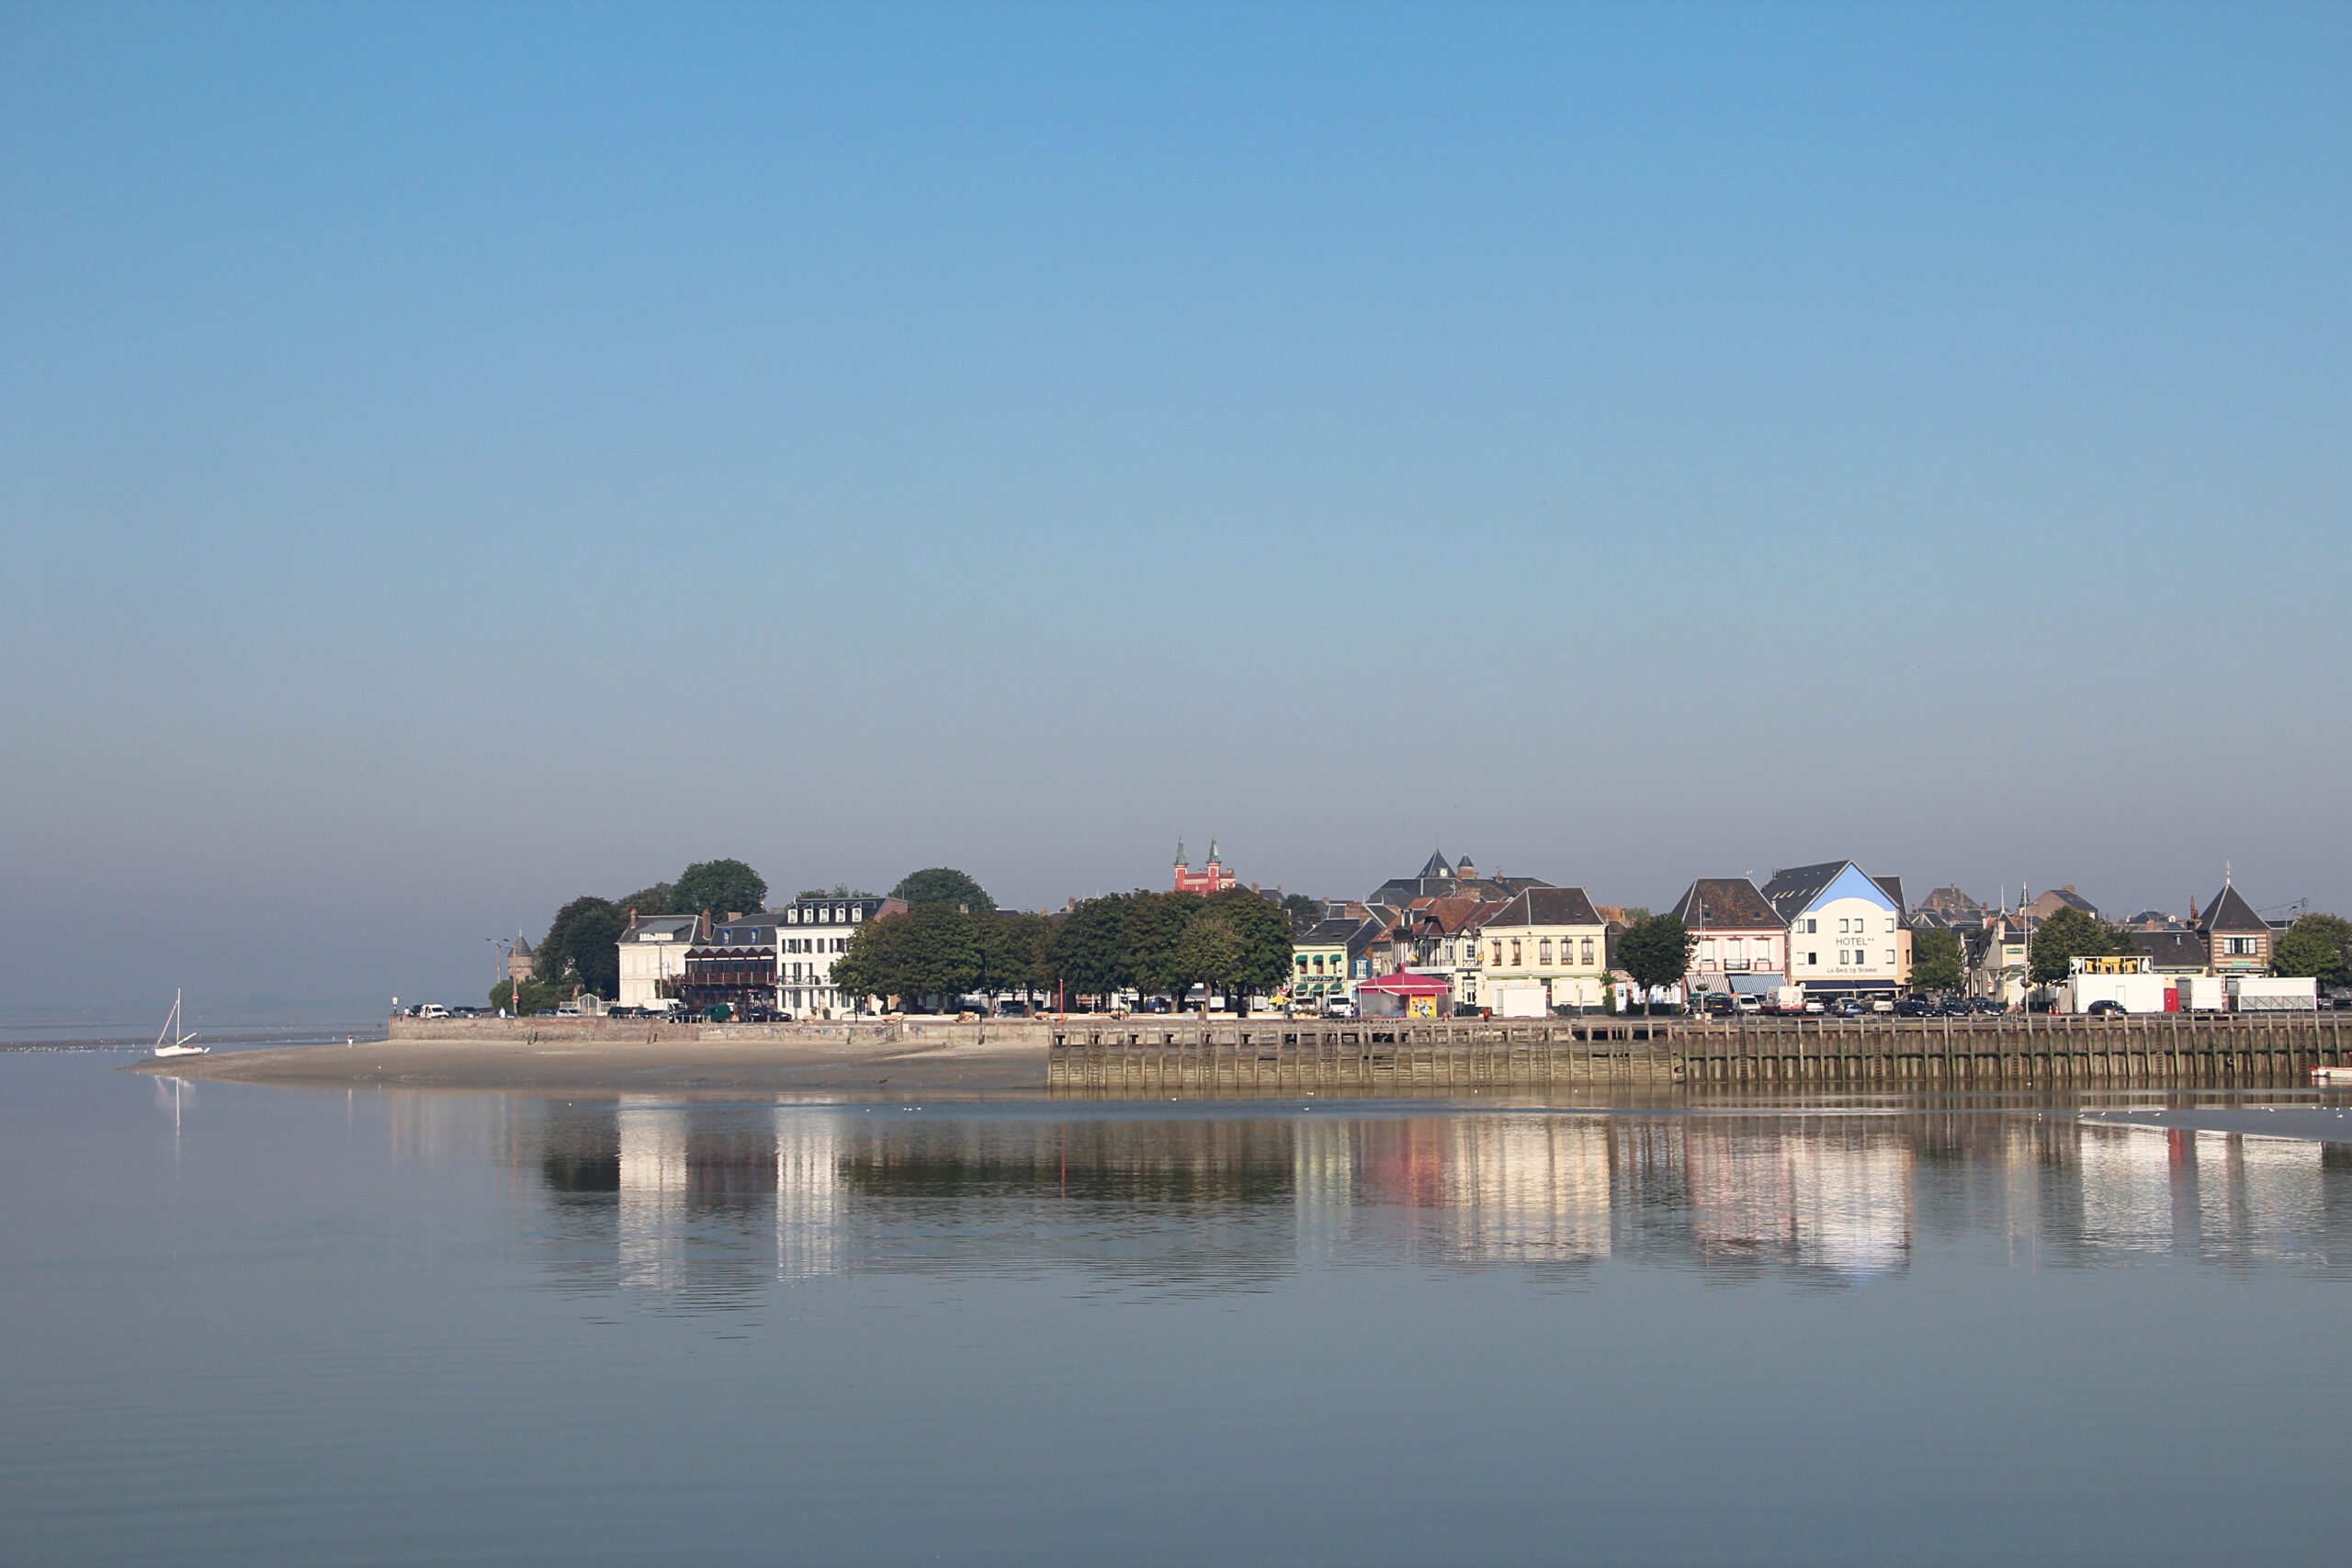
column 1544, row 950
column 1514, row 953
column 2241, row 946
column 1890, row 958
column 1588, row 949
column 1811, row 926
column 1890, row 922
column 1498, row 955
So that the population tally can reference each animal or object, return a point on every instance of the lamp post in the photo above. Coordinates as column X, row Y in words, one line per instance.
column 498, row 951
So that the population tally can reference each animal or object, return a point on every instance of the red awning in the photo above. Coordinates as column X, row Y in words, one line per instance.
column 1409, row 986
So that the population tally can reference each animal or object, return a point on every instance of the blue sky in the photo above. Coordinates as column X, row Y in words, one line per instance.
column 465, row 457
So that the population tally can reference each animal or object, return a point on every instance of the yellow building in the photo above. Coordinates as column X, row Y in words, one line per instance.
column 1547, row 949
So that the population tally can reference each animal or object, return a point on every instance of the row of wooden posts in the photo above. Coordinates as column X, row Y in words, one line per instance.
column 2186, row 1049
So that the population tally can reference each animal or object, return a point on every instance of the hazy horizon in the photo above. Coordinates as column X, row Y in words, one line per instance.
column 468, row 457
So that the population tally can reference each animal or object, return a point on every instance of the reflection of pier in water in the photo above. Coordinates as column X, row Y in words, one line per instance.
column 707, row 1206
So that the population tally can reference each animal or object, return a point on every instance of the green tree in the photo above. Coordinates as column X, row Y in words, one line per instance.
column 722, row 887
column 1208, row 952
column 932, row 953
column 1087, row 953
column 1268, row 939
column 1935, row 961
column 838, row 890
column 1154, row 923
column 1654, row 950
column 1012, row 953
column 539, row 996
column 1303, row 912
column 659, row 899
column 2317, row 946
column 581, row 944
column 2067, row 935
column 944, row 884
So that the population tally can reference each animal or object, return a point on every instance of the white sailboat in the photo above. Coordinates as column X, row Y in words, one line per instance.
column 170, row 1041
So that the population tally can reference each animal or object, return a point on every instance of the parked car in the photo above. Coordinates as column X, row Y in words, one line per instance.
column 1014, row 1008
column 1718, row 1004
column 2106, row 1005
column 1916, row 1007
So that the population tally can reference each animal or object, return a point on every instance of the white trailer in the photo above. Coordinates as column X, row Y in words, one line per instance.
column 2203, row 993
column 2129, row 993
column 1517, row 1001
column 2257, row 993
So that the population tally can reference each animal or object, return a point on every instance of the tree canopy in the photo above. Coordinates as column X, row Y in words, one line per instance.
column 1266, row 938
column 1654, row 950
column 944, row 884
column 1303, row 912
column 722, row 887
column 838, row 890
column 659, row 899
column 1087, row 950
column 2066, row 935
column 932, row 953
column 1935, row 961
column 2319, row 946
column 581, row 943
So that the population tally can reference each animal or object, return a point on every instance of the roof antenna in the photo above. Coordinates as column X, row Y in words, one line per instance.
column 2225, row 874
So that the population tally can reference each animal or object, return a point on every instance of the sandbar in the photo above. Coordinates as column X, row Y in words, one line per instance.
column 881, row 1065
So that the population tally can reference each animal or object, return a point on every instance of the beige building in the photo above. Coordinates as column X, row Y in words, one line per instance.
column 1548, row 948
column 1847, row 935
column 652, row 949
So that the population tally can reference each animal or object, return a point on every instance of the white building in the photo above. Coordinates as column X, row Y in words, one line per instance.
column 1846, row 933
column 811, row 933
column 652, row 949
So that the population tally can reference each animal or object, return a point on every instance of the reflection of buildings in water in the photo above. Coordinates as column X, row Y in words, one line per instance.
column 808, row 1192
column 1528, row 1189
column 2260, row 1198
column 649, row 1217
column 1323, row 1182
column 1822, row 1193
column 2126, row 1176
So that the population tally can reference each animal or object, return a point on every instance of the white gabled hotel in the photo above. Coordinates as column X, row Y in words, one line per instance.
column 652, row 949
column 1846, row 931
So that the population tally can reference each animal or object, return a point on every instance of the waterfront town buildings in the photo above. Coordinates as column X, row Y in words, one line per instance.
column 1740, row 943
column 1546, row 948
column 654, row 957
column 1848, row 934
column 811, row 934
column 1515, row 947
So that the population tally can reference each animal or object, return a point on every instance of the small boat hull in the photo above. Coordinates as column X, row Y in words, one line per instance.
column 2332, row 1074
column 182, row 1050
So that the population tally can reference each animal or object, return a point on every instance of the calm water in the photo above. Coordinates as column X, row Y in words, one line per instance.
column 267, row 1327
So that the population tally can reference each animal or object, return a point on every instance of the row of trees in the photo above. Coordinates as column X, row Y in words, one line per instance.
column 1155, row 944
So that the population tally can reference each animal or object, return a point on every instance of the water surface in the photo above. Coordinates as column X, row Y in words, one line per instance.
column 271, row 1327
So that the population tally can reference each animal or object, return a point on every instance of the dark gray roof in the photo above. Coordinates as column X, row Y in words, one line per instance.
column 2173, row 949
column 676, row 927
column 1893, row 888
column 1725, row 903
column 1331, row 933
column 2230, row 912
column 1548, row 907
column 1436, row 866
column 1795, row 887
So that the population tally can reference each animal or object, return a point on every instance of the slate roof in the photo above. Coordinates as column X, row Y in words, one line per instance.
column 1893, row 888
column 1726, row 902
column 1795, row 887
column 2173, row 949
column 680, row 928
column 1436, row 866
column 2230, row 912
column 1547, row 906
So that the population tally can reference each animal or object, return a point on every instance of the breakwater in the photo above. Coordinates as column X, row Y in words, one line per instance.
column 1153, row 1055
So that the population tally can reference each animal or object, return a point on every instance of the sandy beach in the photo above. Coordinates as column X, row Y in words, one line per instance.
column 877, row 1066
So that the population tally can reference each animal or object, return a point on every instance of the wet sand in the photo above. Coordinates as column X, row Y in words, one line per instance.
column 882, row 1066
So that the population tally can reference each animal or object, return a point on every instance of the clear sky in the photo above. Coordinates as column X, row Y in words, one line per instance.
column 457, row 457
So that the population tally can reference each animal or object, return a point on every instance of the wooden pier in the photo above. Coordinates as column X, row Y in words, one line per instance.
column 1157, row 1056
